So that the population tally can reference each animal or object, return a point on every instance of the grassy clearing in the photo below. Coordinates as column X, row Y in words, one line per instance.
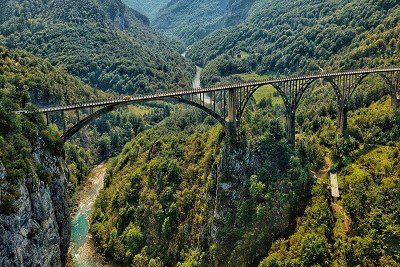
column 264, row 92
column 139, row 110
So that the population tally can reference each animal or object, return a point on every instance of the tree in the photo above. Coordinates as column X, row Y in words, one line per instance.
column 132, row 238
column 314, row 251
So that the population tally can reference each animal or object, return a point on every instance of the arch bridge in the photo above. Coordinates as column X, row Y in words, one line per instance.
column 227, row 103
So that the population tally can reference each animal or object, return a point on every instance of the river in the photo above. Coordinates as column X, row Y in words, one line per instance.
column 82, row 246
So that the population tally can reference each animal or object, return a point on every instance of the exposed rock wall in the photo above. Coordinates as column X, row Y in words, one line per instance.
column 230, row 198
column 38, row 233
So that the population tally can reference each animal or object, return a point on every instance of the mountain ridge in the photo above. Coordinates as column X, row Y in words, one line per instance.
column 105, row 43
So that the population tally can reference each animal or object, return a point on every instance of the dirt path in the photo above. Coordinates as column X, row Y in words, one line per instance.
column 320, row 173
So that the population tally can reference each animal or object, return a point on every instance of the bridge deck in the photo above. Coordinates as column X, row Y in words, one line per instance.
column 143, row 98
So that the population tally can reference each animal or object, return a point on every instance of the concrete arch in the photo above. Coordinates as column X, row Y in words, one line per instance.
column 87, row 120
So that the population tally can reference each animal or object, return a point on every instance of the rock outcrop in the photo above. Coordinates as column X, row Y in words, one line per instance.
column 38, row 233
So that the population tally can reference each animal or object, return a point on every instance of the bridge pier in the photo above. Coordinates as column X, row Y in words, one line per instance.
column 231, row 107
column 231, row 121
column 78, row 117
column 47, row 118
column 291, row 93
column 291, row 126
column 342, row 118
column 344, row 87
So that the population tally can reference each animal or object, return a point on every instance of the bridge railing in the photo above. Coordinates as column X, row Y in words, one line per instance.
column 131, row 99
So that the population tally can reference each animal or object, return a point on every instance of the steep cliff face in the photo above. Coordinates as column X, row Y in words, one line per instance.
column 38, row 233
column 246, row 211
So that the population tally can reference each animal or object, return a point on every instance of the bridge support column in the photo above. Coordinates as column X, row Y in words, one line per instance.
column 78, row 117
column 47, row 118
column 231, row 123
column 291, row 92
column 344, row 87
column 342, row 118
column 291, row 125
column 393, row 82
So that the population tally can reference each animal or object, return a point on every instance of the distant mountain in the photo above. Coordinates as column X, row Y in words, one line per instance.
column 105, row 43
column 191, row 21
column 147, row 7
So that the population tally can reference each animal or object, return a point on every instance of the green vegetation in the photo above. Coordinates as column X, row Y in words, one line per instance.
column 106, row 44
column 191, row 21
column 46, row 84
column 181, row 193
column 304, row 36
column 163, row 189
column 34, row 80
column 361, row 228
column 365, row 228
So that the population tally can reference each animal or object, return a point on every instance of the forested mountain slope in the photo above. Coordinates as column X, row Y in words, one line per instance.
column 362, row 228
column 191, row 21
column 290, row 36
column 45, row 84
column 180, row 195
column 105, row 43
column 147, row 7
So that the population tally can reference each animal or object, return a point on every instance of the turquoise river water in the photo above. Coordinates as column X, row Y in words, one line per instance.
column 81, row 246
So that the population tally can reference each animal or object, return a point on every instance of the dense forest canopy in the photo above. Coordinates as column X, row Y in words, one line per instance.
column 41, row 84
column 304, row 36
column 160, row 194
column 190, row 21
column 105, row 43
